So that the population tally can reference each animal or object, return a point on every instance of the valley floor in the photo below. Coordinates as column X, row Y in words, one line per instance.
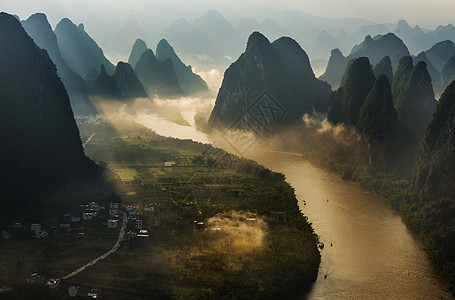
column 251, row 241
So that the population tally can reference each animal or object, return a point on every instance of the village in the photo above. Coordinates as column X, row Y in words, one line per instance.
column 126, row 221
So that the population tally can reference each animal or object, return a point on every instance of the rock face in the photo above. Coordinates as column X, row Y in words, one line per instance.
column 123, row 85
column 413, row 95
column 158, row 77
column 384, row 67
column 448, row 72
column 434, row 73
column 79, row 50
column 382, row 45
column 429, row 205
column 41, row 32
column 41, row 148
column 335, row 69
column 378, row 119
column 346, row 102
column 434, row 175
column 138, row 49
column 191, row 83
column 374, row 49
column 271, row 84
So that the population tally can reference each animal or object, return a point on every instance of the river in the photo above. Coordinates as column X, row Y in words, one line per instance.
column 368, row 253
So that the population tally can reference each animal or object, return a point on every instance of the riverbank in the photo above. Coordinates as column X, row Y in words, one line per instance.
column 340, row 150
column 369, row 253
column 249, row 241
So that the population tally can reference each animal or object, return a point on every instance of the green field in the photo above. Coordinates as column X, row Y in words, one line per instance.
column 256, row 244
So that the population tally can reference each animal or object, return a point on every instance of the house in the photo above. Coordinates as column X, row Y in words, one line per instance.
column 41, row 235
column 35, row 227
column 112, row 223
column 89, row 214
column 169, row 163
column 199, row 225
column 5, row 235
column 93, row 294
column 131, row 210
column 35, row 278
column 131, row 235
column 72, row 291
column 17, row 225
column 148, row 208
column 94, row 205
column 144, row 234
column 53, row 283
column 113, row 211
column 5, row 289
column 138, row 224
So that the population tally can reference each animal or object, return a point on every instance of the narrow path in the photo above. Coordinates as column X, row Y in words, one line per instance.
column 89, row 139
column 115, row 248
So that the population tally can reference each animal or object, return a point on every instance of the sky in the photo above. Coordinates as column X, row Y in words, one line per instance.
column 427, row 14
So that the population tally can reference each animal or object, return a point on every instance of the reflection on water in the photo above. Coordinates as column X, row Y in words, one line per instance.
column 167, row 128
column 368, row 253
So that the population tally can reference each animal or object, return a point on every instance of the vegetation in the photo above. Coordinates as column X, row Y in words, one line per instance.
column 283, row 70
column 423, row 196
column 346, row 102
column 413, row 95
column 429, row 206
column 271, row 256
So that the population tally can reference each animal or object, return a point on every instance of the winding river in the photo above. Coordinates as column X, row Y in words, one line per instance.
column 368, row 253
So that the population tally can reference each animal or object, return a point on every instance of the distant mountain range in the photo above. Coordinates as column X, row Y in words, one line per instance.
column 223, row 40
column 165, row 74
column 79, row 50
column 40, row 30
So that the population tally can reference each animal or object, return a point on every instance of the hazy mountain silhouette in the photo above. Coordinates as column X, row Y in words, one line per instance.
column 79, row 50
column 335, row 68
column 281, row 70
column 138, row 49
column 190, row 82
column 374, row 49
column 382, row 45
column 124, row 84
column 414, row 38
column 324, row 43
column 440, row 53
column 41, row 148
column 158, row 77
column 129, row 33
column 41, row 32
column 210, row 39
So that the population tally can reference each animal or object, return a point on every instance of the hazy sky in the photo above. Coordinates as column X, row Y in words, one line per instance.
column 423, row 12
